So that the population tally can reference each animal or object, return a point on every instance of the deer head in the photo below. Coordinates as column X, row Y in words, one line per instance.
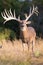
column 7, row 15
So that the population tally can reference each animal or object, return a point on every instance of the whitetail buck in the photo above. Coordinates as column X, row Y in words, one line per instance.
column 27, row 34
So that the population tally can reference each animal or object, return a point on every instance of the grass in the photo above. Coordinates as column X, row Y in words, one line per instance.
column 3, row 62
column 12, row 62
column 37, row 53
column 6, row 34
column 9, row 34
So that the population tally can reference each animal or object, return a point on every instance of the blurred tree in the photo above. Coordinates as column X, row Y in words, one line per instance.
column 38, row 1
column 20, row 9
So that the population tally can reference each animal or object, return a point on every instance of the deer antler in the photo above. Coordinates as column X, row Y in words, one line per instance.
column 7, row 15
column 32, row 12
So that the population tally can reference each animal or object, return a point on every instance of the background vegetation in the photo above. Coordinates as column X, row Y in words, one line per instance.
column 11, row 29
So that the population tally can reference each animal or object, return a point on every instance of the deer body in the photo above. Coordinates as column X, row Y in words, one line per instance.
column 27, row 34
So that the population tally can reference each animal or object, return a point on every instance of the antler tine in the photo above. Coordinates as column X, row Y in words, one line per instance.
column 14, row 14
column 19, row 17
column 7, row 14
column 32, row 12
column 11, row 13
column 25, row 15
column 33, row 8
column 36, row 11
column 3, row 15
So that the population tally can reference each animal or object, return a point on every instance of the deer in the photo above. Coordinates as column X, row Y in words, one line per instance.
column 27, row 34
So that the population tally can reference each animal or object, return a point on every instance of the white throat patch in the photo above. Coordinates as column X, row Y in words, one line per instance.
column 23, row 29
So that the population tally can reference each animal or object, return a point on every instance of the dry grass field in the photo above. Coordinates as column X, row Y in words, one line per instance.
column 14, row 53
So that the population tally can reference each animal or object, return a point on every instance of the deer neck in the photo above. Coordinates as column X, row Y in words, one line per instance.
column 24, row 28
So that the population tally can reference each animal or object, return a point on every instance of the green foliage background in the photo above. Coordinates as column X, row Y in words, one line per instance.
column 7, row 31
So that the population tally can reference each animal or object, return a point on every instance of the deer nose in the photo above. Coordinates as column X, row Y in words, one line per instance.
column 22, row 25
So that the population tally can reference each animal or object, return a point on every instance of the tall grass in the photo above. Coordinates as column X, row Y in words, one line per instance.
column 9, row 61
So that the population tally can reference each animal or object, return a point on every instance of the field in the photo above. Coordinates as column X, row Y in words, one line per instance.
column 14, row 53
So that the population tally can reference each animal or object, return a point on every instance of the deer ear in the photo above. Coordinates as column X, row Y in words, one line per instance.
column 28, row 22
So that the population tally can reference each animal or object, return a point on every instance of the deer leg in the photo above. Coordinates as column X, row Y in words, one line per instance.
column 33, row 49
column 33, row 46
column 28, row 45
column 23, row 46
